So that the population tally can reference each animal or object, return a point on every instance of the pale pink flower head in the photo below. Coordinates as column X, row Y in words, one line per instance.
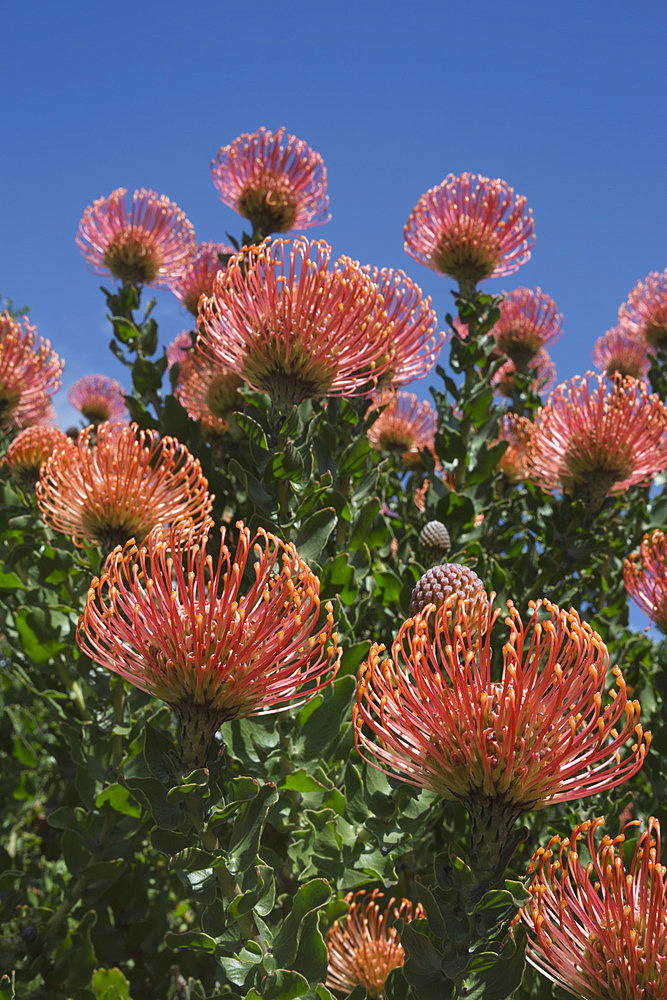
column 291, row 327
column 645, row 309
column 622, row 350
column 596, row 437
column 518, row 432
column 199, row 276
column 598, row 927
column 29, row 373
column 30, row 449
column 179, row 349
column 209, row 392
column 541, row 372
column 273, row 179
column 470, row 228
column 217, row 637
column 146, row 242
column 119, row 483
column 404, row 427
column 98, row 398
column 528, row 322
column 645, row 577
column 363, row 945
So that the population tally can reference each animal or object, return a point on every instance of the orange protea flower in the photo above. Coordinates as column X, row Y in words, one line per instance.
column 208, row 391
column 502, row 745
column 29, row 373
column 273, row 179
column 596, row 436
column 404, row 427
column 199, row 276
column 598, row 928
column 98, row 398
column 30, row 449
column 645, row 310
column 528, row 322
column 363, row 945
column 645, row 577
column 541, row 369
column 180, row 348
column 518, row 432
column 148, row 243
column 622, row 350
column 119, row 483
column 292, row 328
column 471, row 228
column 216, row 638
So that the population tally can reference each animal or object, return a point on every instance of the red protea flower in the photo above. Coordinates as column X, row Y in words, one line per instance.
column 518, row 432
column 29, row 373
column 30, row 449
column 404, row 427
column 595, row 436
column 528, row 322
column 179, row 349
column 363, row 945
column 215, row 637
column 148, row 243
column 273, row 179
column 645, row 309
column 292, row 328
column 540, row 369
column 98, row 398
column 598, row 928
column 208, row 391
column 471, row 228
column 199, row 276
column 119, row 483
column 622, row 350
column 537, row 735
column 645, row 577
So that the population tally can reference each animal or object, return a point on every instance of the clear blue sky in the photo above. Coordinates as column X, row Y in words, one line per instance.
column 565, row 101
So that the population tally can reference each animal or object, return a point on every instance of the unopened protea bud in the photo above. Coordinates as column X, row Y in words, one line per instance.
column 434, row 542
column 453, row 583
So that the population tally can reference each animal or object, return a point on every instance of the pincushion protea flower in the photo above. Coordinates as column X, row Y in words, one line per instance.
column 645, row 577
column 622, row 350
column 30, row 449
column 294, row 329
column 363, row 945
column 537, row 735
column 98, row 398
column 29, row 373
column 273, row 179
column 599, row 928
column 595, row 436
column 208, row 391
column 528, row 322
column 179, row 348
column 199, row 276
column 405, row 426
column 518, row 432
column 119, row 483
column 540, row 371
column 645, row 310
column 216, row 638
column 149, row 242
column 471, row 228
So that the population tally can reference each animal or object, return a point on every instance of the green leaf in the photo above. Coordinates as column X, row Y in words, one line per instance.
column 110, row 984
column 422, row 967
column 247, row 830
column 255, row 431
column 284, row 984
column 120, row 800
column 503, row 976
column 322, row 728
column 309, row 898
column 195, row 941
column 363, row 523
column 36, row 630
column 314, row 533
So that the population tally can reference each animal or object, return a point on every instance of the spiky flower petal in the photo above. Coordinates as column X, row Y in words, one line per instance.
column 645, row 577
column 622, row 350
column 404, row 427
column 540, row 372
column 528, row 321
column 208, row 391
column 29, row 373
column 30, row 449
column 98, row 398
column 518, row 432
column 199, row 276
column 645, row 309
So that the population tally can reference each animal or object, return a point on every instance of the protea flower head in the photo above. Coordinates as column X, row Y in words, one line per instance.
column 208, row 391
column 470, row 228
column 216, row 637
column 273, row 179
column 404, row 427
column 596, row 436
column 434, row 541
column 29, row 373
column 541, row 372
column 598, row 927
column 30, row 449
column 645, row 309
column 518, row 432
column 291, row 327
column 645, row 577
column 148, row 242
column 363, row 945
column 180, row 348
column 198, row 278
column 98, row 398
column 119, row 483
column 622, row 350
column 528, row 322
column 451, row 584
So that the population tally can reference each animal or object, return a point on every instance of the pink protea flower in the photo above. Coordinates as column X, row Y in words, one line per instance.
column 541, row 369
column 471, row 228
column 363, row 945
column 209, row 392
column 29, row 373
column 596, row 436
column 598, row 928
column 273, row 179
column 148, row 243
column 518, row 432
column 183, row 626
column 30, row 449
column 404, row 427
column 528, row 322
column 199, row 276
column 645, row 577
column 98, row 398
column 622, row 350
column 436, row 714
column 645, row 309
column 119, row 483
column 179, row 349
column 294, row 329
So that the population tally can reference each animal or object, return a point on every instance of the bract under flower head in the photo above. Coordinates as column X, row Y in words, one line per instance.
column 273, row 179
column 215, row 638
column 29, row 373
column 622, row 350
column 404, row 427
column 291, row 327
column 645, row 309
column 98, row 398
column 199, row 276
column 645, row 577
column 598, row 928
column 471, row 228
column 528, row 322
column 149, row 242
